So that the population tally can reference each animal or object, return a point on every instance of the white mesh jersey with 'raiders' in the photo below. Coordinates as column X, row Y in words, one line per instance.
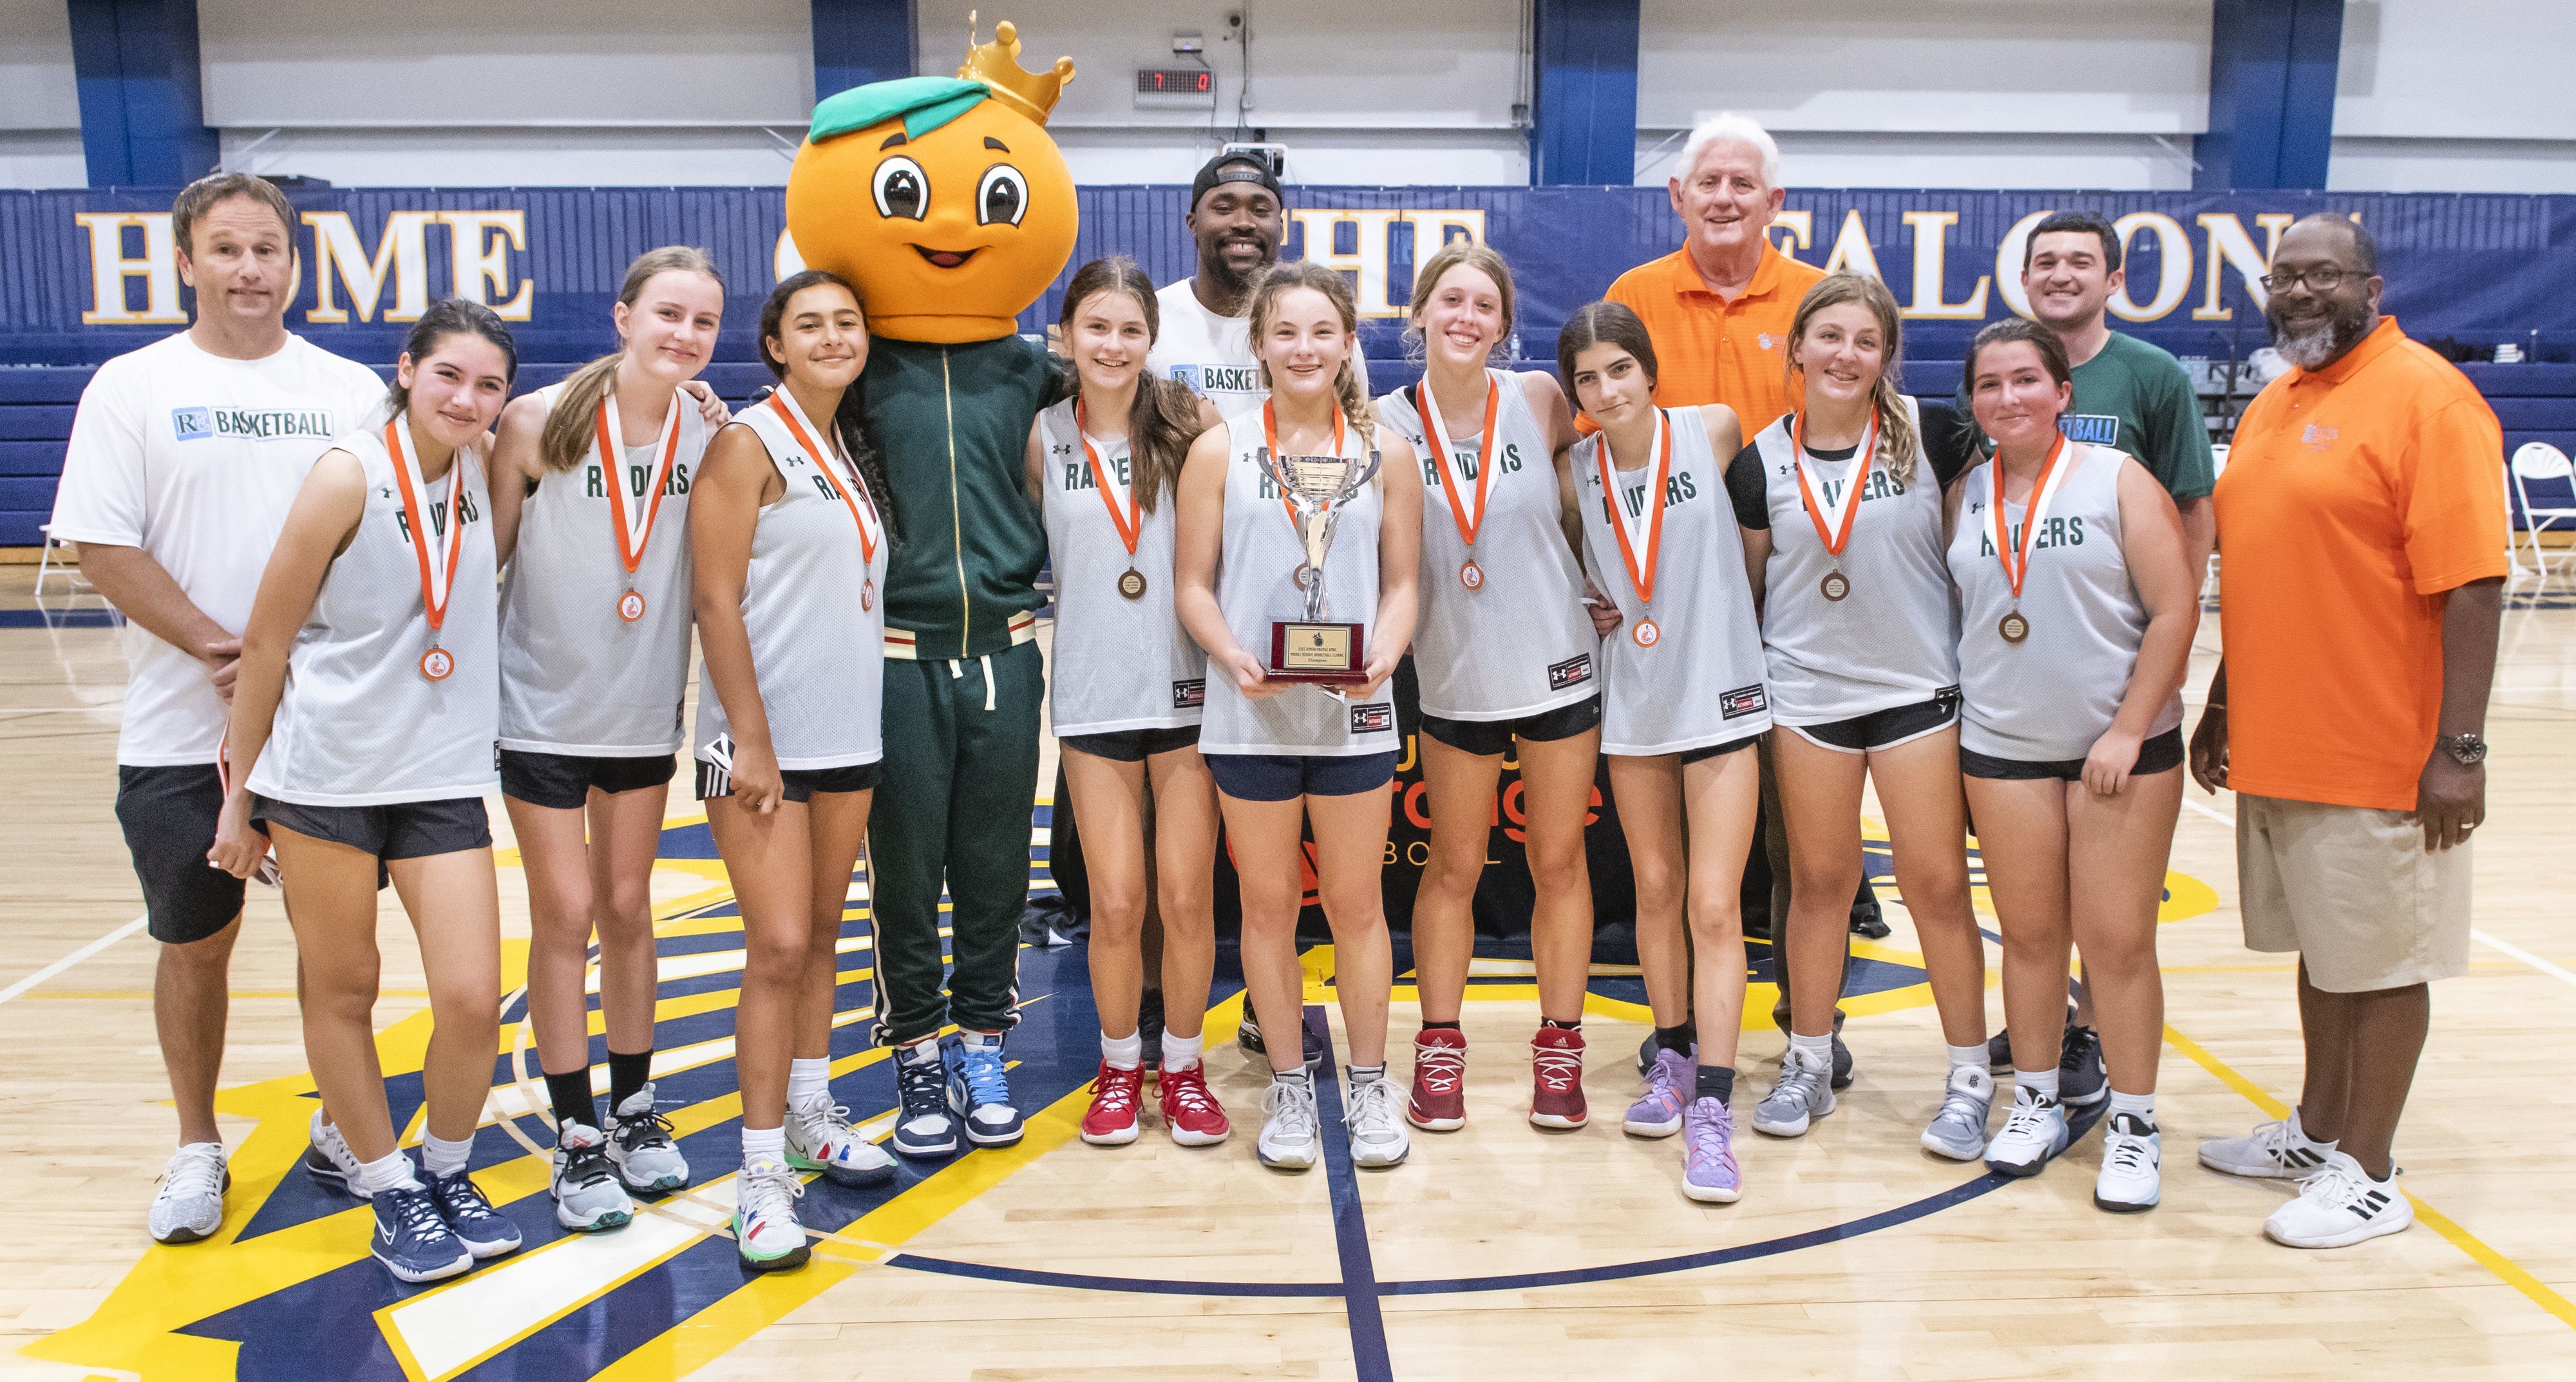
column 1701, row 682
column 1519, row 644
column 817, row 646
column 358, row 725
column 575, row 677
column 1119, row 664
column 2048, row 698
column 1256, row 584
column 1892, row 642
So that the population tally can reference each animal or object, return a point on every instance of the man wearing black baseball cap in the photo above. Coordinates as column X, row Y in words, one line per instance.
column 1237, row 217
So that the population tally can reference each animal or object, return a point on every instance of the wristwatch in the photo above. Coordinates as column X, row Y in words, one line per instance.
column 2467, row 750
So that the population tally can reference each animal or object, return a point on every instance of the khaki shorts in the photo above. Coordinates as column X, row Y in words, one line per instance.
column 2351, row 890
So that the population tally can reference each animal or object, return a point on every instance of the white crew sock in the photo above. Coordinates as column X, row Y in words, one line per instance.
column 1123, row 1053
column 1968, row 1055
column 807, row 1078
column 764, row 1144
column 1180, row 1052
column 2039, row 1082
column 1815, row 1052
column 392, row 1171
column 2139, row 1106
column 440, row 1157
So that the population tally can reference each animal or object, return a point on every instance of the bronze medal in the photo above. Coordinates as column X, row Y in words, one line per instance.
column 630, row 606
column 436, row 664
column 1645, row 634
column 1472, row 576
column 1302, row 575
column 2013, row 627
column 1132, row 584
column 868, row 593
column 1836, row 585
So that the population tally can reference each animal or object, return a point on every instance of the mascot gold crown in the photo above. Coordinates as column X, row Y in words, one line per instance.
column 941, row 198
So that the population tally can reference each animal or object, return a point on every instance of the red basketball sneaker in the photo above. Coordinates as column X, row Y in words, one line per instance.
column 1556, row 1078
column 1115, row 1095
column 1439, row 1100
column 1190, row 1109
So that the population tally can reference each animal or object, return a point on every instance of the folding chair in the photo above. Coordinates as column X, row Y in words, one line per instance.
column 47, row 568
column 2538, row 463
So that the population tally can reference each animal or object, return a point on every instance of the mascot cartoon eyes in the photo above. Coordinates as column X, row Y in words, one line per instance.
column 902, row 189
column 1003, row 195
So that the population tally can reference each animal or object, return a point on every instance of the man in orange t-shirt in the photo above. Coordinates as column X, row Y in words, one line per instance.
column 1718, row 310
column 2361, row 518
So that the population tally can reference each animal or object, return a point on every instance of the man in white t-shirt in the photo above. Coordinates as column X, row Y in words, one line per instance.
column 1237, row 217
column 184, row 458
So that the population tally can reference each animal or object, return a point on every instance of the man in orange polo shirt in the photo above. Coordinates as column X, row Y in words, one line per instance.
column 1719, row 307
column 2362, row 518
column 1718, row 310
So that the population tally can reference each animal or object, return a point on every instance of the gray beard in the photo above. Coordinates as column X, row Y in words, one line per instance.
column 2324, row 343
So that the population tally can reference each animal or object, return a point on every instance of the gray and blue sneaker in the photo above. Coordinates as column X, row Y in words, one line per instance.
column 767, row 1235
column 979, row 1090
column 587, row 1197
column 471, row 1217
column 922, row 1127
column 1805, row 1093
column 413, row 1239
column 328, row 1159
column 640, row 1145
column 1958, row 1130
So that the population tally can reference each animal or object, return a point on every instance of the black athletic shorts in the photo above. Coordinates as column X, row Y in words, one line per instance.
column 563, row 781
column 1491, row 737
column 168, row 813
column 1133, row 745
column 796, row 784
column 1703, row 754
column 1885, row 729
column 2162, row 753
column 1288, row 776
column 395, row 830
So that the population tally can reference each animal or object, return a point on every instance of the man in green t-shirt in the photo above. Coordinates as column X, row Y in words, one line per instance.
column 2131, row 395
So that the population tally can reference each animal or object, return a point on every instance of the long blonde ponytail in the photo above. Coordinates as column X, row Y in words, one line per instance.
column 566, row 438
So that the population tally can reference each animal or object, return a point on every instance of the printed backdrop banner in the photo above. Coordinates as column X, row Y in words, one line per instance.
column 87, row 274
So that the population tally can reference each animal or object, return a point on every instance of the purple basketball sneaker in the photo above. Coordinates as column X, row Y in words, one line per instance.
column 1709, row 1172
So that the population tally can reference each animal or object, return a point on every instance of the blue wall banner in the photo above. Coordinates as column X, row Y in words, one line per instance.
column 89, row 274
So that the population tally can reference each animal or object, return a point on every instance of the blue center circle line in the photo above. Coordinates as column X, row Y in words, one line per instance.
column 1985, row 1184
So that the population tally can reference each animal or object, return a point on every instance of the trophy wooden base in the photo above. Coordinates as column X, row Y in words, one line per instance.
column 1323, row 654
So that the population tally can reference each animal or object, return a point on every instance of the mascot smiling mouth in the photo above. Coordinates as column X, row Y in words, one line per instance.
column 946, row 259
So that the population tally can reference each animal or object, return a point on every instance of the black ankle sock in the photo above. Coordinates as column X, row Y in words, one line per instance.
column 1678, row 1039
column 1440, row 1026
column 1717, row 1082
column 627, row 1075
column 570, row 1094
column 1575, row 1026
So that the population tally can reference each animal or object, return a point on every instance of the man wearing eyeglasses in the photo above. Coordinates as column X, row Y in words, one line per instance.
column 2362, row 515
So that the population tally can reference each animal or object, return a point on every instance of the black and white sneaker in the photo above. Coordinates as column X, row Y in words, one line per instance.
column 1248, row 1038
column 2081, row 1082
column 2273, row 1151
column 2034, row 1133
column 924, row 1127
column 1149, row 1026
column 2339, row 1206
column 2130, row 1181
column 327, row 1158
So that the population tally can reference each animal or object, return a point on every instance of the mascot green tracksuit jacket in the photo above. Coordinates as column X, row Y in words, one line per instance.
column 946, row 204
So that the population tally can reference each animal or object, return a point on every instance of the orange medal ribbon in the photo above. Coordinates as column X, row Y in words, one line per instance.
column 1641, row 573
column 1270, row 436
column 1129, row 523
column 624, row 509
column 1838, row 535
column 437, row 580
column 2016, row 563
column 854, row 491
column 1468, row 520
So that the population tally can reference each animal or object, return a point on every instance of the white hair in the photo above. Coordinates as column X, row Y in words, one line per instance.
column 1730, row 128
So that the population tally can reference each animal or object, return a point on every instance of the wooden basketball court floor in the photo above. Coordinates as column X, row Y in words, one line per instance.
column 1496, row 1253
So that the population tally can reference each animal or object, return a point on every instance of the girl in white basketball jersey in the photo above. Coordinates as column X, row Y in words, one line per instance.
column 1682, row 675
column 1840, row 505
column 1504, row 656
column 2078, row 606
column 361, row 744
column 590, row 501
column 789, row 546
column 1127, row 687
column 1283, row 754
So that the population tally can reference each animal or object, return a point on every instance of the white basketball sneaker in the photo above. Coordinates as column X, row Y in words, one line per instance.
column 1375, row 1113
column 1291, row 1129
column 190, row 1204
column 2340, row 1205
column 2131, row 1180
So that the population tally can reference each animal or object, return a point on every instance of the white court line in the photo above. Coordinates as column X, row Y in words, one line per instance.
column 71, row 959
column 2506, row 948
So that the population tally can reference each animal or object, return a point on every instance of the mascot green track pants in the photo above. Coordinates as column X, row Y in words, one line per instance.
column 954, row 804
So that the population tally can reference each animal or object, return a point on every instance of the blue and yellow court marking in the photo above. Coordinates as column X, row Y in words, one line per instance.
column 286, row 1291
